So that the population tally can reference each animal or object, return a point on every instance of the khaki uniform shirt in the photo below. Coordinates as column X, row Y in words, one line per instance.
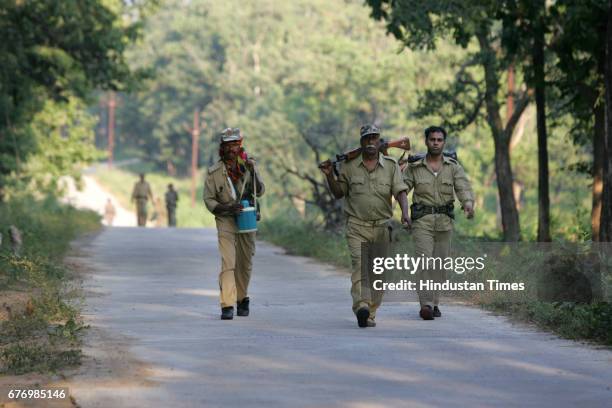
column 141, row 191
column 432, row 190
column 218, row 189
column 368, row 194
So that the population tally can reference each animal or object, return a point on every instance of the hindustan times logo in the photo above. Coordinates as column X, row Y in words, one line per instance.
column 411, row 264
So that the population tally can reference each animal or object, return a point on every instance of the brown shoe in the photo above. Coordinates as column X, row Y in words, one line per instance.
column 371, row 322
column 426, row 313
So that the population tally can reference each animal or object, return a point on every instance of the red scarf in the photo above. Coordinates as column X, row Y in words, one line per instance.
column 236, row 171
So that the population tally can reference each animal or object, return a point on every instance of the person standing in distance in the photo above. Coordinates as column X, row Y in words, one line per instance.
column 141, row 194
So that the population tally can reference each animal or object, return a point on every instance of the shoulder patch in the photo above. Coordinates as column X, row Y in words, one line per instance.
column 415, row 159
column 450, row 159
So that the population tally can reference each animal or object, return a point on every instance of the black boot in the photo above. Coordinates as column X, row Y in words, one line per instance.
column 243, row 307
column 362, row 317
column 227, row 313
column 437, row 312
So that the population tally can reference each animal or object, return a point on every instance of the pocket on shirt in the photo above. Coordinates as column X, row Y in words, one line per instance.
column 357, row 185
column 446, row 190
column 383, row 187
column 223, row 194
column 423, row 187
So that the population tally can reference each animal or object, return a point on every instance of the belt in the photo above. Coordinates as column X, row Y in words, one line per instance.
column 377, row 223
column 434, row 210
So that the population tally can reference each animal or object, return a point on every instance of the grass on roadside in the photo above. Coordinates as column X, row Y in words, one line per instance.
column 40, row 324
column 301, row 237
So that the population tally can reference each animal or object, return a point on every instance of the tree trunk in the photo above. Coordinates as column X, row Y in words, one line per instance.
column 605, row 233
column 598, row 165
column 540, row 97
column 503, row 170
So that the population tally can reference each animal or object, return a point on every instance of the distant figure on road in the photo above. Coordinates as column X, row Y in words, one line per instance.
column 109, row 212
column 231, row 179
column 368, row 182
column 436, row 179
column 141, row 194
column 171, row 201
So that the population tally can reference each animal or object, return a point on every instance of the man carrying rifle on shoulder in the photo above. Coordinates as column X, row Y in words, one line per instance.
column 368, row 182
column 435, row 178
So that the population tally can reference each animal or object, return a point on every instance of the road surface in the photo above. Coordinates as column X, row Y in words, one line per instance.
column 157, row 341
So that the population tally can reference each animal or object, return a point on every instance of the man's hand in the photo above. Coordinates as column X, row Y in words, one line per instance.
column 468, row 210
column 406, row 221
column 228, row 209
column 250, row 162
column 326, row 167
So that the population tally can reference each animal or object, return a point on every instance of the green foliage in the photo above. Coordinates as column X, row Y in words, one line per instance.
column 62, row 137
column 56, row 51
column 570, row 320
column 44, row 336
column 304, row 238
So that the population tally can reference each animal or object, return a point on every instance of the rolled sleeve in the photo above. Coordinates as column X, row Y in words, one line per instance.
column 408, row 178
column 343, row 180
column 398, row 183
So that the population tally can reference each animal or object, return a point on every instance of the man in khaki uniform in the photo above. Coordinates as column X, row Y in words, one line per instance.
column 435, row 178
column 141, row 194
column 368, row 182
column 171, row 201
column 228, row 182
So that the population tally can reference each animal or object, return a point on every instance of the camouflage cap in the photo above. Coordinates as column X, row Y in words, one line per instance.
column 230, row 135
column 369, row 130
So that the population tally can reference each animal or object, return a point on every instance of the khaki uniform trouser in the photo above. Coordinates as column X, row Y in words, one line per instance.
column 361, row 281
column 141, row 212
column 431, row 244
column 236, row 251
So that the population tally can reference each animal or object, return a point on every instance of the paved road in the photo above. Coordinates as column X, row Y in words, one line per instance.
column 152, row 301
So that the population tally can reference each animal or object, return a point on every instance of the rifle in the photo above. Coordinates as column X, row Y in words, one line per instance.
column 419, row 156
column 403, row 143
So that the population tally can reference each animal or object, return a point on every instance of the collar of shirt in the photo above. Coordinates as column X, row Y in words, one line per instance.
column 380, row 161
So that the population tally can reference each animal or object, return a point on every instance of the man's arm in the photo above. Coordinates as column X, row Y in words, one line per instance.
column 463, row 189
column 261, row 187
column 335, row 186
column 399, row 189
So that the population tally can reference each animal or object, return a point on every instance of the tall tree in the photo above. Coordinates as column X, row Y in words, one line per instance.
column 525, row 24
column 420, row 24
column 55, row 50
column 606, row 213
column 578, row 35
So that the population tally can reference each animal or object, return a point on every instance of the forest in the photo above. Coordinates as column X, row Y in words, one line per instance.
column 520, row 86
